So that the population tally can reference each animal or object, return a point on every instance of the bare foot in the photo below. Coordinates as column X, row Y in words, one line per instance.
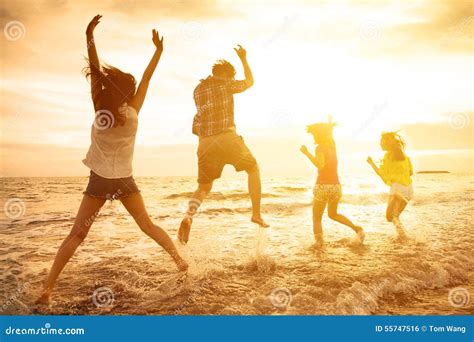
column 360, row 235
column 402, row 236
column 184, row 229
column 182, row 265
column 399, row 228
column 319, row 244
column 44, row 299
column 258, row 220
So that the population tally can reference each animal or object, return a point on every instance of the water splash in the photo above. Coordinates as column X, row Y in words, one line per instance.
column 260, row 261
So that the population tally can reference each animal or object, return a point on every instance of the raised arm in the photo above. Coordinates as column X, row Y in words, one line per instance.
column 242, row 53
column 142, row 89
column 375, row 167
column 317, row 159
column 94, row 64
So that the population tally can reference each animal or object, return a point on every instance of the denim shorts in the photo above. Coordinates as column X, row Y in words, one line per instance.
column 110, row 189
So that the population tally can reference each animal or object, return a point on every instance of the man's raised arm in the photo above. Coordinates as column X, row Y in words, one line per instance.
column 242, row 53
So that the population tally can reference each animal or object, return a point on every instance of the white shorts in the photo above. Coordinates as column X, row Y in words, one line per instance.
column 405, row 192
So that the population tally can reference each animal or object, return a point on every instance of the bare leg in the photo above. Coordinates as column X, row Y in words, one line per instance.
column 390, row 208
column 135, row 206
column 88, row 211
column 196, row 199
column 395, row 207
column 334, row 215
column 318, row 211
column 399, row 207
column 255, row 191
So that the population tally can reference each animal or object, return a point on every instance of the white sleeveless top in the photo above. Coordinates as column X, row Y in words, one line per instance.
column 111, row 152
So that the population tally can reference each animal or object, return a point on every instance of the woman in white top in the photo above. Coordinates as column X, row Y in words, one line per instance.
column 117, row 103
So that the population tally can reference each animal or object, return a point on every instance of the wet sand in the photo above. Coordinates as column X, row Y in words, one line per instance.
column 237, row 268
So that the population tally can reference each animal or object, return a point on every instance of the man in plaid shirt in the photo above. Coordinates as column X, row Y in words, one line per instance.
column 219, row 143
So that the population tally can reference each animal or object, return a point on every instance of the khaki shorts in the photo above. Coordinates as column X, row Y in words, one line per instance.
column 327, row 192
column 216, row 151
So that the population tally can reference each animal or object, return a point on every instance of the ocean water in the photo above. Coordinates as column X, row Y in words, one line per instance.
column 237, row 268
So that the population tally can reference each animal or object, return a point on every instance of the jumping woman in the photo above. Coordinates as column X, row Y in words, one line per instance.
column 117, row 103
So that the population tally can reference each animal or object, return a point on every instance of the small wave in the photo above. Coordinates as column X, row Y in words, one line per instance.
column 48, row 221
column 364, row 298
column 212, row 211
column 187, row 194
column 291, row 188
column 418, row 200
column 281, row 208
column 365, row 199
column 219, row 196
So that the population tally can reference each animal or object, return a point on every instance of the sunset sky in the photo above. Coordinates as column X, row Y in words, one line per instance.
column 372, row 65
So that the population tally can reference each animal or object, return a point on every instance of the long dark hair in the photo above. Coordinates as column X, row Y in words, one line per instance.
column 116, row 87
column 396, row 144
